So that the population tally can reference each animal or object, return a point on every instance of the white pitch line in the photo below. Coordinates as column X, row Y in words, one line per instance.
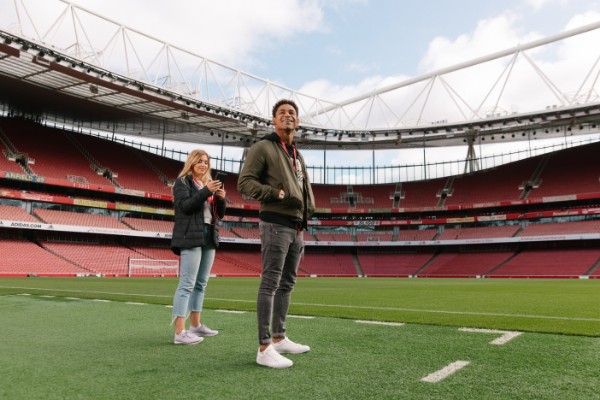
column 505, row 337
column 301, row 316
column 135, row 303
column 231, row 311
column 445, row 372
column 101, row 300
column 380, row 323
column 72, row 298
column 415, row 310
column 47, row 296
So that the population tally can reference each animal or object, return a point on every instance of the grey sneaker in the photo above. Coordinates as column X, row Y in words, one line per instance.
column 203, row 330
column 289, row 347
column 272, row 359
column 185, row 337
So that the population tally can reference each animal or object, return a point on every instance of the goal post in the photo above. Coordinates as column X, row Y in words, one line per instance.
column 152, row 267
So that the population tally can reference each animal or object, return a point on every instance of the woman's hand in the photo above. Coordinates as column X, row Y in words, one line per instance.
column 220, row 193
column 213, row 186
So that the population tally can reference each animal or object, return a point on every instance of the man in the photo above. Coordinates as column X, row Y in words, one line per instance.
column 275, row 174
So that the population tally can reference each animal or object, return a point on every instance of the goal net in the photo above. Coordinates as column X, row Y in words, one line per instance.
column 151, row 267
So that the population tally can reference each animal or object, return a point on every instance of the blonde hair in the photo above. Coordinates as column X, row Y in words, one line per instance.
column 193, row 159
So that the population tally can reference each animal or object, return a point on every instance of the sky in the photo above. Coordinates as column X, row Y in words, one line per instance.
column 338, row 49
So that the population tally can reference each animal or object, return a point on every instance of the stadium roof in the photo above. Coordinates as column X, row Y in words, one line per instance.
column 52, row 83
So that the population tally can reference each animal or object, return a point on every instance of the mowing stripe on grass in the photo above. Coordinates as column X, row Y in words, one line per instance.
column 550, row 317
column 380, row 323
column 445, row 372
column 505, row 338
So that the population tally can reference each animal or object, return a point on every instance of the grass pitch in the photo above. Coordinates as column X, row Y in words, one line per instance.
column 59, row 342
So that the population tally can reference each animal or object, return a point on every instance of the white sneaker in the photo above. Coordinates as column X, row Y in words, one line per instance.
column 203, row 330
column 272, row 359
column 289, row 347
column 186, row 337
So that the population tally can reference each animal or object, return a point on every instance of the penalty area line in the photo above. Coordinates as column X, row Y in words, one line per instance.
column 506, row 336
column 445, row 372
column 379, row 323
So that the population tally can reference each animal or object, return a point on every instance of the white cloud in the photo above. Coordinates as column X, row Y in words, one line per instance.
column 491, row 35
column 362, row 67
column 539, row 4
column 230, row 32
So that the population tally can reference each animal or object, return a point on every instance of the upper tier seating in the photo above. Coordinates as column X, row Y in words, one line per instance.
column 421, row 194
column 570, row 171
column 55, row 156
column 325, row 196
column 127, row 163
column 498, row 184
column 6, row 164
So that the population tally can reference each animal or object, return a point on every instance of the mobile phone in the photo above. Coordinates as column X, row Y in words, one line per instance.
column 221, row 176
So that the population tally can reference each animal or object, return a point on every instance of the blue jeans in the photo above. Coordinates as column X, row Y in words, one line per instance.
column 195, row 268
column 281, row 250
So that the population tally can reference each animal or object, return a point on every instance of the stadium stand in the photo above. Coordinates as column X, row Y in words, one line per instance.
column 101, row 258
column 478, row 193
column 375, row 236
column 561, row 228
column 374, row 196
column 78, row 219
column 563, row 263
column 148, row 225
column 237, row 263
column 328, row 264
column 559, row 178
column 14, row 213
column 392, row 264
column 333, row 236
column 421, row 194
column 463, row 265
column 55, row 156
column 479, row 232
column 125, row 164
column 415, row 235
column 25, row 258
column 498, row 184
column 246, row 233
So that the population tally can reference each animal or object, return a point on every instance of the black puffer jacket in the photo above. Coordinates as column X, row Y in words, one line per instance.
column 188, row 200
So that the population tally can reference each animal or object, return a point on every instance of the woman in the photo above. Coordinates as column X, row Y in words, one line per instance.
column 199, row 204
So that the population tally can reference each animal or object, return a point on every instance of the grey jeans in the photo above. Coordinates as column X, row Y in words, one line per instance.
column 281, row 250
